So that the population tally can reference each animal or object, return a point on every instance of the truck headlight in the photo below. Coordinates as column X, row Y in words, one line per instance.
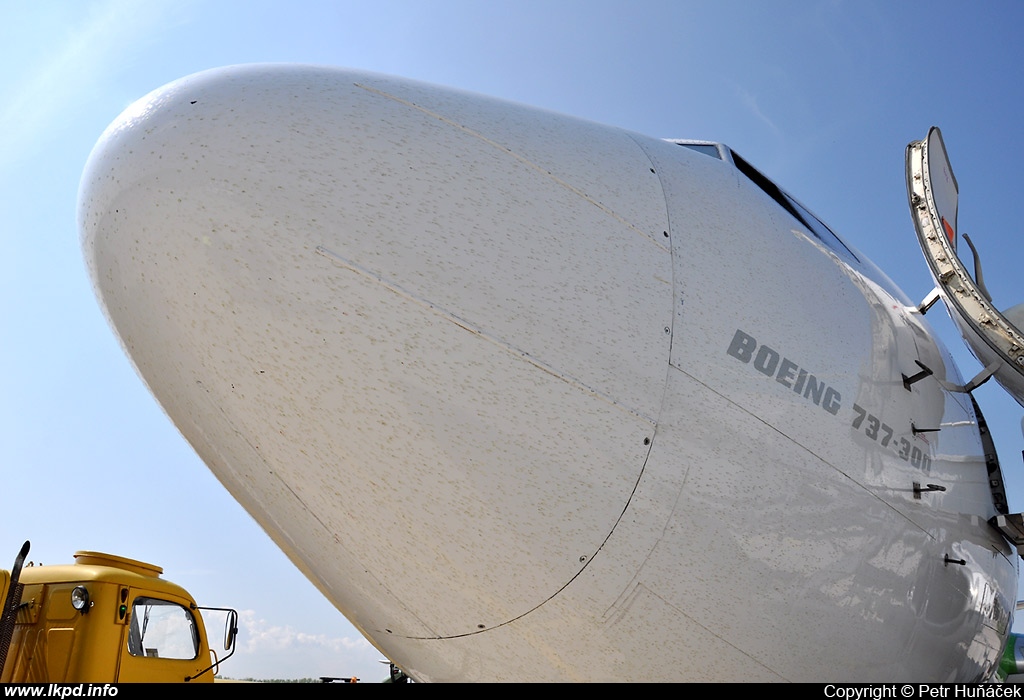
column 80, row 599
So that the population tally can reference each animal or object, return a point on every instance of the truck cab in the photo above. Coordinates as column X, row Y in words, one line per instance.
column 106, row 619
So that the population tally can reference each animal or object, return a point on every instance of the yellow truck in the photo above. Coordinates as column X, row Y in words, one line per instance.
column 103, row 619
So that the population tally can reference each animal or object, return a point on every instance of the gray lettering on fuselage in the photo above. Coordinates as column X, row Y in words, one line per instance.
column 787, row 372
column 766, row 360
column 814, row 390
column 770, row 363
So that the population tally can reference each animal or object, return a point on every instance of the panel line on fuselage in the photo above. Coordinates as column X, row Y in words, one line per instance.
column 476, row 330
column 811, row 452
column 525, row 161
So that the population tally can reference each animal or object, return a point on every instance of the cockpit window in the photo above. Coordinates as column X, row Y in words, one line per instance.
column 160, row 628
column 815, row 225
column 708, row 149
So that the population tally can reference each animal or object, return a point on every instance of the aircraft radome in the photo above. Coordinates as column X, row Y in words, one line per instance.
column 532, row 398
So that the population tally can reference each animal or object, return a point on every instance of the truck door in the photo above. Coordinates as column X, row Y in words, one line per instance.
column 163, row 640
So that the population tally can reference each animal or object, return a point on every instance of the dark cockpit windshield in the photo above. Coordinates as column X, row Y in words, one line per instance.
column 809, row 221
column 795, row 209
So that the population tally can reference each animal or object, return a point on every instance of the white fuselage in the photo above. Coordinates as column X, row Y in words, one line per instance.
column 532, row 398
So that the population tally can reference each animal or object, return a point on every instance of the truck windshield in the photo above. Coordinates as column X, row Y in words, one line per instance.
column 160, row 628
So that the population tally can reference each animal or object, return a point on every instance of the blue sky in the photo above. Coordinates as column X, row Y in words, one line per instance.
column 821, row 96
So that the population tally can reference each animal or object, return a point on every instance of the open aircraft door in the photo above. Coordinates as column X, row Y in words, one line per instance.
column 994, row 337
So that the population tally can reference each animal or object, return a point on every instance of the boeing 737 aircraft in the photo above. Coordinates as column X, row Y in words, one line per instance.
column 528, row 397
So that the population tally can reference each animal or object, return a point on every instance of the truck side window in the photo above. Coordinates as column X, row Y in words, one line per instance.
column 160, row 628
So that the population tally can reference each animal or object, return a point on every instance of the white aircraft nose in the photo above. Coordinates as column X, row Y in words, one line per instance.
column 421, row 336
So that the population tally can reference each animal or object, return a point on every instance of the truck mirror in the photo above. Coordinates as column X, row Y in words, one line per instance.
column 230, row 630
